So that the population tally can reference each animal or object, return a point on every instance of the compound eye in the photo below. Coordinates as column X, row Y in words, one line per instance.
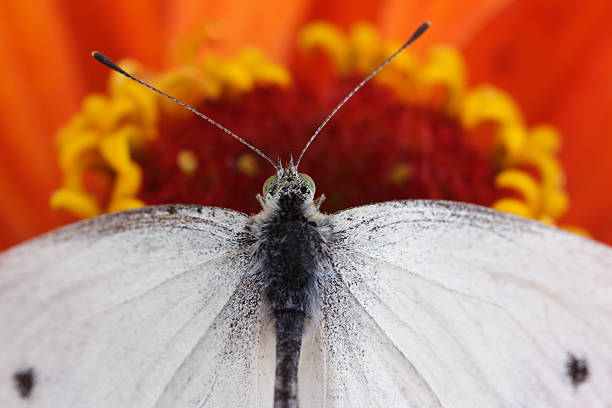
column 309, row 182
column 268, row 184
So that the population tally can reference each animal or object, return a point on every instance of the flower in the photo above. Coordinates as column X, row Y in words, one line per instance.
column 567, row 90
column 404, row 136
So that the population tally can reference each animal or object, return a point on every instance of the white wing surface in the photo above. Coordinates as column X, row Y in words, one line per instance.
column 447, row 304
column 145, row 308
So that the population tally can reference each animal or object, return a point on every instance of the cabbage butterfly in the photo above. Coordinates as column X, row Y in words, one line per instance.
column 406, row 303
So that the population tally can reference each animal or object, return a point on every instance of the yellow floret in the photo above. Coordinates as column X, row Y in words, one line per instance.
column 488, row 104
column 187, row 161
column 247, row 164
column 326, row 37
column 444, row 66
column 365, row 48
column 78, row 203
column 262, row 70
column 523, row 183
column 513, row 206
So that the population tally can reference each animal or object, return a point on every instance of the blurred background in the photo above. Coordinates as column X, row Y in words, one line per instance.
column 554, row 58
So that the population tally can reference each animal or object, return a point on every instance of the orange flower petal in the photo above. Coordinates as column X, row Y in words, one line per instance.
column 235, row 24
column 119, row 29
column 46, row 71
column 33, row 76
column 452, row 21
column 584, row 115
column 555, row 59
column 344, row 14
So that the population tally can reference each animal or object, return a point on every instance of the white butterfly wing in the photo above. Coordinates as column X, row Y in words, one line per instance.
column 429, row 304
column 137, row 309
column 447, row 304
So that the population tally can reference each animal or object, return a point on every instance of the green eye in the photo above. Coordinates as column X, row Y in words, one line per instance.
column 269, row 182
column 309, row 182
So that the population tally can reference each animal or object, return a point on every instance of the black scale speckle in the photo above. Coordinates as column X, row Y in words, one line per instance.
column 577, row 370
column 24, row 382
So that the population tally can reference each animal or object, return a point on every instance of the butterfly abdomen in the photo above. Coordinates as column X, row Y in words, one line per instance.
column 289, row 329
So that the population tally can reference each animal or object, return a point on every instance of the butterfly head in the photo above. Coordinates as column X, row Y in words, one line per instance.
column 289, row 185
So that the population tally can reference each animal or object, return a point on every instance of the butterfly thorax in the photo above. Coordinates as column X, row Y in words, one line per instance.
column 289, row 245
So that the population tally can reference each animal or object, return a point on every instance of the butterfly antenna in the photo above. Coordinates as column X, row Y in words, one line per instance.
column 109, row 63
column 414, row 36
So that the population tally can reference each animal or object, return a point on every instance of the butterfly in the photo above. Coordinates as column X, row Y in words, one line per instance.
column 411, row 303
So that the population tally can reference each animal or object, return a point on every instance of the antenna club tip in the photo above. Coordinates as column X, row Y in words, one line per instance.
column 423, row 27
column 418, row 32
column 98, row 55
column 106, row 61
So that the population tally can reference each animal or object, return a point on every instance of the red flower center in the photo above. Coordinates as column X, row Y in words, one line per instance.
column 376, row 148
